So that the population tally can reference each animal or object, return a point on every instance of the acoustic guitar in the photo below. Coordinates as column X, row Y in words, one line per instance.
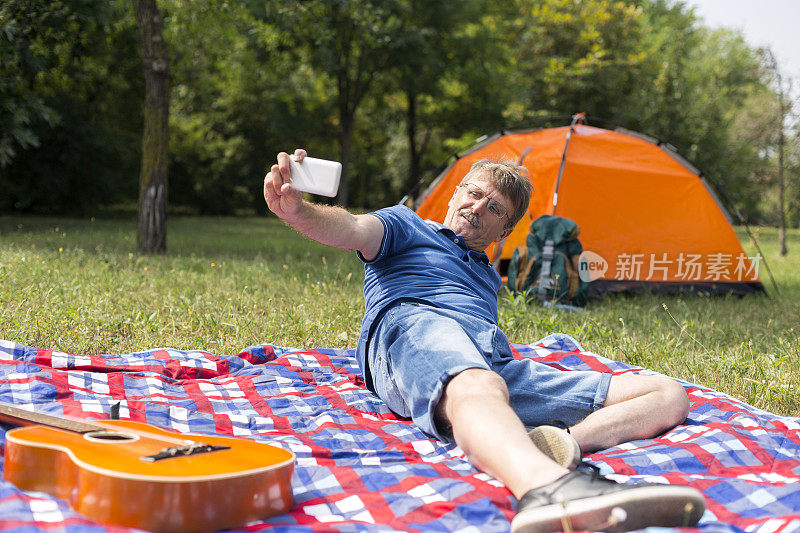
column 137, row 475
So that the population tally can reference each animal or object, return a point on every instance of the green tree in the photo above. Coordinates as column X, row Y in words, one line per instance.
column 698, row 81
column 767, row 127
column 209, row 58
column 67, row 117
column 577, row 56
column 425, row 56
column 238, row 96
column 351, row 42
column 28, row 30
column 423, row 61
column 783, row 89
column 447, row 85
column 391, row 88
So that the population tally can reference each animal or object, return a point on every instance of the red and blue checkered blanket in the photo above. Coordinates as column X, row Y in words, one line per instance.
column 359, row 467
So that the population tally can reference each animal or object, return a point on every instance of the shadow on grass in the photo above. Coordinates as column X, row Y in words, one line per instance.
column 212, row 238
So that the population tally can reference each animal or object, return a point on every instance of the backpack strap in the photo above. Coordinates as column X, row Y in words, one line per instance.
column 547, row 261
column 524, row 264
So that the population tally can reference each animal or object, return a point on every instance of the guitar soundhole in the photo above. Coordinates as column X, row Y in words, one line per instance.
column 109, row 436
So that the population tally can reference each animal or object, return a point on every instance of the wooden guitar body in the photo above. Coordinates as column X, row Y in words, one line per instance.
column 120, row 474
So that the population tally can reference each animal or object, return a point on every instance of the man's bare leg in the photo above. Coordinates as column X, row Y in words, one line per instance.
column 637, row 407
column 475, row 403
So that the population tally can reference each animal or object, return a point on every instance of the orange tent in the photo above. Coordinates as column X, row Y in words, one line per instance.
column 647, row 217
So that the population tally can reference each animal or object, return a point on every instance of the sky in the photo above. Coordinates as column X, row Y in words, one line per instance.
column 770, row 23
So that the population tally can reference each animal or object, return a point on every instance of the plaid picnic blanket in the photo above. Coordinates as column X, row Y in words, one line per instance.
column 359, row 467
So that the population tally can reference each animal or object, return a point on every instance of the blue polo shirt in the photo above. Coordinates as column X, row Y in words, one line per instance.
column 422, row 260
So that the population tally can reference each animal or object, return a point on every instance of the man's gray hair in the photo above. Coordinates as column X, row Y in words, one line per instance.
column 510, row 180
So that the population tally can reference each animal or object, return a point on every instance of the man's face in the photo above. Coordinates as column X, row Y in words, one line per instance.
column 470, row 216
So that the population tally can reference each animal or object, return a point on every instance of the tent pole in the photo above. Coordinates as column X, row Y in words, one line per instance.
column 576, row 119
column 752, row 237
column 729, row 205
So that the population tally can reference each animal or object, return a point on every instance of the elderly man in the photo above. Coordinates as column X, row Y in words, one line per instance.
column 430, row 347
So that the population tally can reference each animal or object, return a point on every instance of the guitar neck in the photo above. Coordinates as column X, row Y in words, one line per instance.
column 22, row 417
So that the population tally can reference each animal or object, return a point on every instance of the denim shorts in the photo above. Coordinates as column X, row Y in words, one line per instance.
column 415, row 349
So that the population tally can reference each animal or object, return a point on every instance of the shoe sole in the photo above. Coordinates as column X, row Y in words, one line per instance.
column 627, row 510
column 557, row 444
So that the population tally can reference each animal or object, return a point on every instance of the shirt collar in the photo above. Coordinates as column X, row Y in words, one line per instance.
column 459, row 240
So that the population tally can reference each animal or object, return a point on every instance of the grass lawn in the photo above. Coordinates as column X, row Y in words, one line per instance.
column 227, row 283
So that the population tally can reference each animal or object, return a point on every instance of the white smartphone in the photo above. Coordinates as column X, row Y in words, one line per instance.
column 317, row 176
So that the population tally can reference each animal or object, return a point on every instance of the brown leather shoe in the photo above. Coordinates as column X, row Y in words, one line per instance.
column 586, row 501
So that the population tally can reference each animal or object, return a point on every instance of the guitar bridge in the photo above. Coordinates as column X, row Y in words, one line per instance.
column 182, row 451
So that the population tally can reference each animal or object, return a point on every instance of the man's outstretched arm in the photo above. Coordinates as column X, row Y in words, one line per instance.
column 329, row 225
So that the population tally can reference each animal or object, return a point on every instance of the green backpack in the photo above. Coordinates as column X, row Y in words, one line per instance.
column 547, row 266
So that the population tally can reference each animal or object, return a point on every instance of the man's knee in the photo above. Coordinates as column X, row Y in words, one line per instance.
column 476, row 382
column 675, row 400
column 667, row 396
column 470, row 384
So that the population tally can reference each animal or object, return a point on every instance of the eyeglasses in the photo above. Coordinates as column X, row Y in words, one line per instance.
column 477, row 194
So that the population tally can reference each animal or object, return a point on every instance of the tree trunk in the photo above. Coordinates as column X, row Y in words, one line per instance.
column 783, row 111
column 152, row 236
column 782, row 206
column 411, row 132
column 346, row 146
column 781, row 180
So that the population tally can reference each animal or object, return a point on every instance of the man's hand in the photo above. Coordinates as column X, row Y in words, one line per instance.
column 327, row 224
column 283, row 199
